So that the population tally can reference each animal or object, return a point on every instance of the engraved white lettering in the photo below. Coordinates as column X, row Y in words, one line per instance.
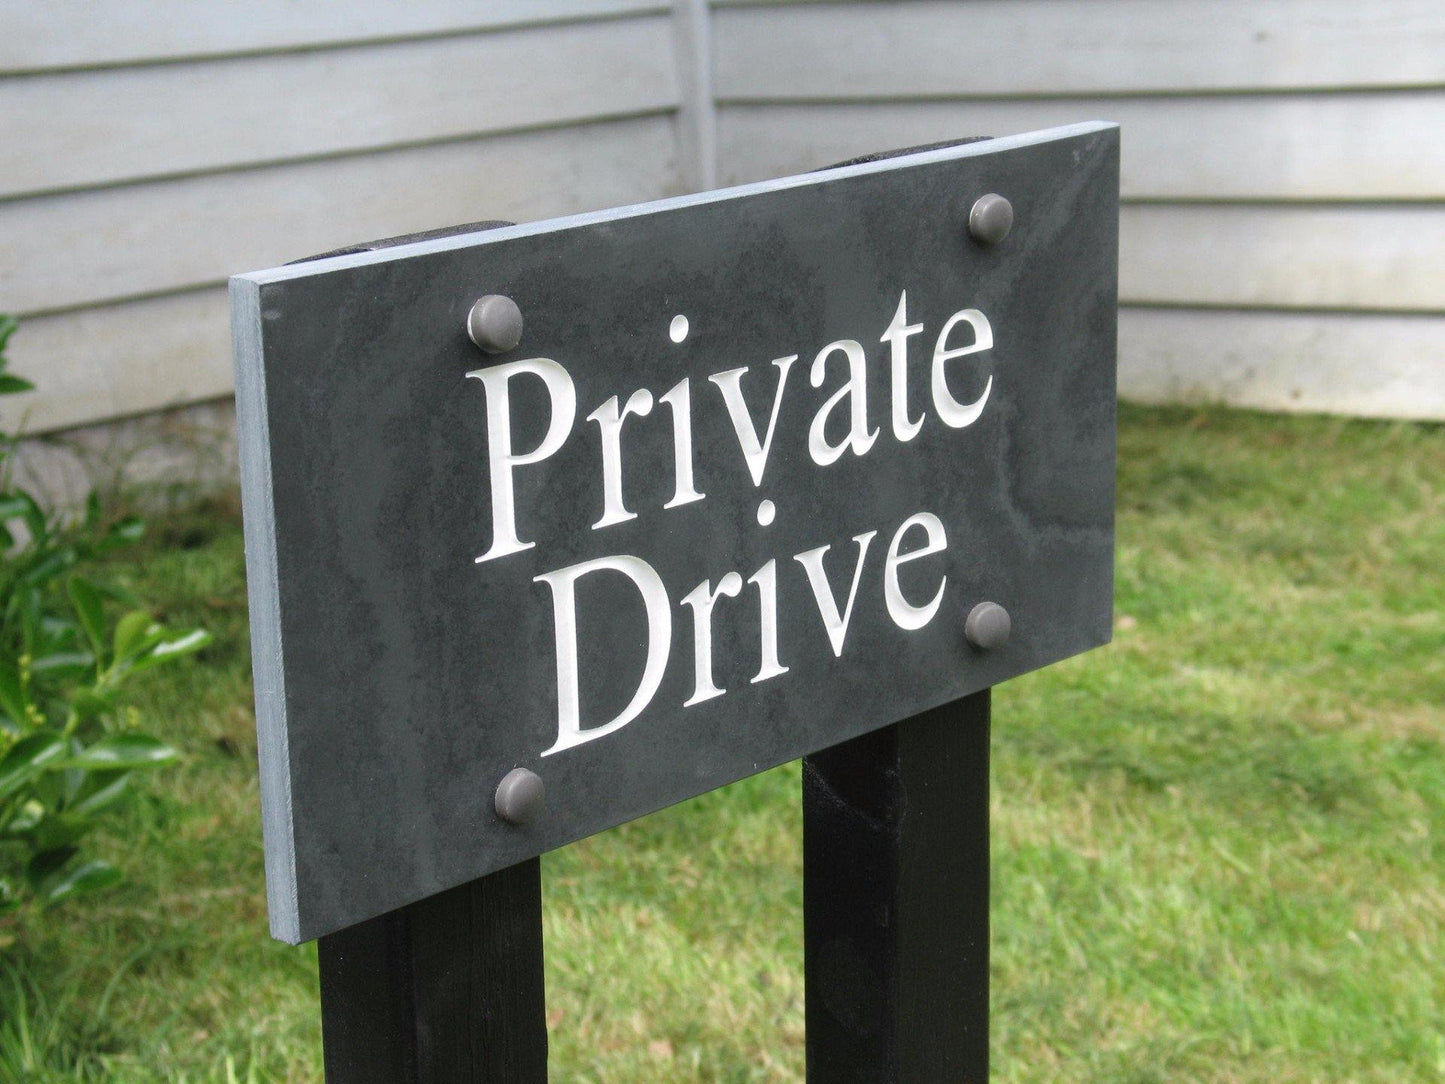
column 905, row 615
column 950, row 409
column 702, row 599
column 563, row 582
column 501, row 456
column 836, row 623
column 855, row 391
column 609, row 420
column 754, row 450
column 897, row 337
column 837, row 426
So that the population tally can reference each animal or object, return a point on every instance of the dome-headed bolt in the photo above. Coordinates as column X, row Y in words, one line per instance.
column 495, row 324
column 988, row 626
column 990, row 219
column 519, row 796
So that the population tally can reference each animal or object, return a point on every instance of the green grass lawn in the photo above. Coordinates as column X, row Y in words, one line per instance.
column 1218, row 842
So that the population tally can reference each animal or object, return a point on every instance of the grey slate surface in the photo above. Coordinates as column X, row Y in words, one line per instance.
column 398, row 680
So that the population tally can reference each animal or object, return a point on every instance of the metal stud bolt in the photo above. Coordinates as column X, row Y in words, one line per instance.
column 990, row 219
column 495, row 324
column 988, row 626
column 519, row 796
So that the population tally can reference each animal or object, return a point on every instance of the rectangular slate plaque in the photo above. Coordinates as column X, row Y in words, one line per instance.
column 729, row 502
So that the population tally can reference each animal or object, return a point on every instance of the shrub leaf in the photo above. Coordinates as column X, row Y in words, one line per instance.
column 29, row 757
column 86, row 878
column 123, row 751
column 91, row 610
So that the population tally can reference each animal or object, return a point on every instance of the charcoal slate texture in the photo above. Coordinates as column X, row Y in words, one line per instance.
column 398, row 680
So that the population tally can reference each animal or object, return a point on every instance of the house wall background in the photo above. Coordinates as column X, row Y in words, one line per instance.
column 155, row 147
column 1283, row 235
column 1282, row 242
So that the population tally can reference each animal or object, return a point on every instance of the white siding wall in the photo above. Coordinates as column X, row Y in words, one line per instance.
column 154, row 147
column 1283, row 234
column 1284, row 165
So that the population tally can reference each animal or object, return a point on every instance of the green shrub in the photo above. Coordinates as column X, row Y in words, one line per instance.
column 69, row 744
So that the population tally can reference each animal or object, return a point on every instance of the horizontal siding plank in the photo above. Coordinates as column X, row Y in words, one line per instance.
column 41, row 35
column 1371, row 366
column 941, row 48
column 117, row 360
column 1267, row 147
column 97, row 127
column 91, row 247
column 1389, row 257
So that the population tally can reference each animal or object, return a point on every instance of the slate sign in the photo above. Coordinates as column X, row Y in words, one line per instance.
column 728, row 502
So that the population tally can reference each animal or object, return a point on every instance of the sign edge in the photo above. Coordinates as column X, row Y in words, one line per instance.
column 264, row 599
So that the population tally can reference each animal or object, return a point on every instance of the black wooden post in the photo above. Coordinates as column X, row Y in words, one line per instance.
column 448, row 990
column 895, row 902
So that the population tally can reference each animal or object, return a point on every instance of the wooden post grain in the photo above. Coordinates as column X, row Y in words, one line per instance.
column 448, row 990
column 895, row 902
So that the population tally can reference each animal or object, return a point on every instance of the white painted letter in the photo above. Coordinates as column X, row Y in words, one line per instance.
column 856, row 390
column 950, row 409
column 904, row 614
column 767, row 580
column 679, row 399
column 702, row 599
column 835, row 623
column 563, row 583
column 500, row 456
column 730, row 384
column 609, row 421
column 897, row 339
